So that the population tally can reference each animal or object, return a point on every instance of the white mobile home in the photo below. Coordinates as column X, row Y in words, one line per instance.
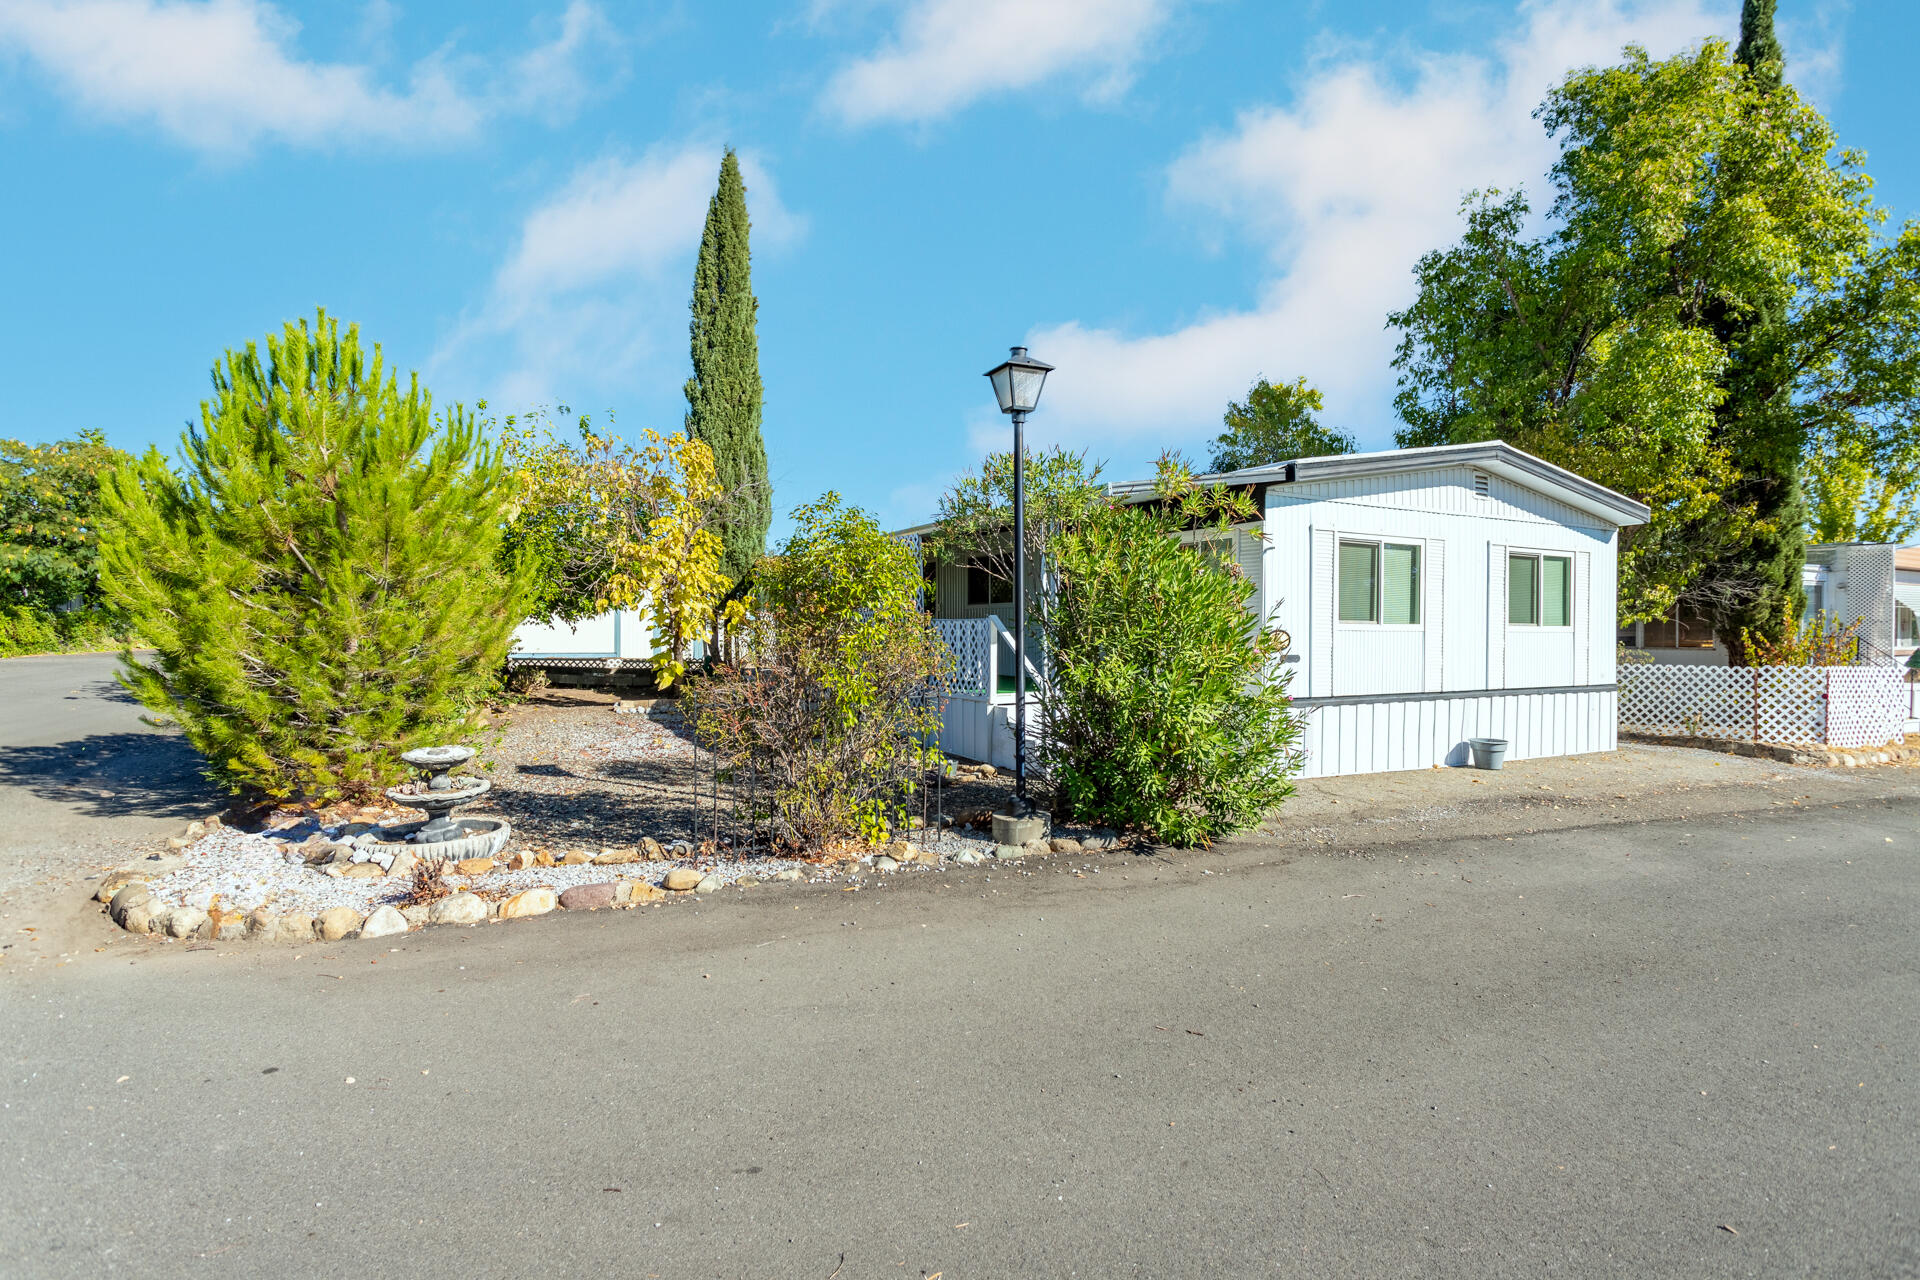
column 1430, row 596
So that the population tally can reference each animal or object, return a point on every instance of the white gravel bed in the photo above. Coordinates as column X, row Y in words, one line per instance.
column 248, row 871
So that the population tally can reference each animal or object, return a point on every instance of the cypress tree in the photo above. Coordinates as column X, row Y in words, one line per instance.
column 321, row 584
column 1767, row 438
column 1759, row 52
column 723, row 396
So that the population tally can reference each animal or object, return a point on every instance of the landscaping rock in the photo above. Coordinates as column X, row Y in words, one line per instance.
column 588, row 897
column 114, row 881
column 1008, row 852
column 900, row 851
column 403, row 864
column 1061, row 844
column 296, row 926
column 139, row 918
column 337, row 922
column 418, row 913
column 790, row 874
column 745, row 882
column 639, row 891
column 614, row 857
column 653, row 849
column 228, row 928
column 321, row 854
column 707, row 885
column 576, row 858
column 362, row 871
column 184, row 922
column 262, row 923
column 1096, row 843
column 681, row 879
column 384, row 922
column 1033, row 848
column 969, row 857
column 543, row 859
column 132, row 894
column 473, row 866
column 460, row 908
column 885, row 863
column 530, row 902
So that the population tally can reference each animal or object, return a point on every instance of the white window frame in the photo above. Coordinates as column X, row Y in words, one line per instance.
column 1537, row 554
column 1379, row 543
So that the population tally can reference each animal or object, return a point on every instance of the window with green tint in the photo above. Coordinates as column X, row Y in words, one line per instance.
column 1399, row 584
column 1556, row 591
column 1359, row 574
column 1523, row 591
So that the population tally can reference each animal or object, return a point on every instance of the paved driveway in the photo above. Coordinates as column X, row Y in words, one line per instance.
column 1678, row 1048
column 82, row 779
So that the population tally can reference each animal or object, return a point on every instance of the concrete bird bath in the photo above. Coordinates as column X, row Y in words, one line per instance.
column 439, row 793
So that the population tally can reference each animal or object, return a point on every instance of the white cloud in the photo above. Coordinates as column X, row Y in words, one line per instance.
column 596, row 286
column 1343, row 188
column 224, row 75
column 947, row 53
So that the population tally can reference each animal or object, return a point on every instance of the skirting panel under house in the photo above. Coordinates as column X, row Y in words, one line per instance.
column 1381, row 734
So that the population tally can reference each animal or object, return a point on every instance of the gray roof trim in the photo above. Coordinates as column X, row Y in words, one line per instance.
column 1495, row 456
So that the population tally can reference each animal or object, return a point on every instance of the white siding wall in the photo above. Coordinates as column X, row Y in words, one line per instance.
column 618, row 633
column 1463, row 643
column 1378, row 737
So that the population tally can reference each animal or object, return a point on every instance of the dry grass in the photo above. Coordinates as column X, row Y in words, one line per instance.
column 428, row 884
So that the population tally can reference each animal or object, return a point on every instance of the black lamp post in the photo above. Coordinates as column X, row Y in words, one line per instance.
column 1016, row 385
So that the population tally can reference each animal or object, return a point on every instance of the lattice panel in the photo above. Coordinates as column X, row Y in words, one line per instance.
column 1792, row 704
column 1867, row 706
column 1709, row 702
column 1824, row 706
column 971, row 640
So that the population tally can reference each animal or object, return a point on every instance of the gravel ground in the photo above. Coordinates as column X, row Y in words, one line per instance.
column 568, row 773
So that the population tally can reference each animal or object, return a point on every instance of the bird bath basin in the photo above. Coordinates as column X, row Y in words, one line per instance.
column 440, row 793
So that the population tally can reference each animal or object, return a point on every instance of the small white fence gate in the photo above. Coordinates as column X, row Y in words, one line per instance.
column 1823, row 706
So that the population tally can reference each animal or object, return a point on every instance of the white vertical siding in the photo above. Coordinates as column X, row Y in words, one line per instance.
column 1433, row 612
column 1496, row 616
column 1320, row 650
column 1389, row 736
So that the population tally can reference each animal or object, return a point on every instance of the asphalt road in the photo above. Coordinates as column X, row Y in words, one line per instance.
column 1678, row 1048
column 82, row 778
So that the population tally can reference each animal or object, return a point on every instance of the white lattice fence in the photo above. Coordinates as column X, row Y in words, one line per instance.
column 1827, row 706
column 1866, row 706
column 971, row 640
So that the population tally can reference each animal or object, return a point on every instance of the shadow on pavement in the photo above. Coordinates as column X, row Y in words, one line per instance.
column 114, row 775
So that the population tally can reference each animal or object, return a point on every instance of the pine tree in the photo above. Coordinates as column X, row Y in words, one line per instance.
column 723, row 396
column 321, row 582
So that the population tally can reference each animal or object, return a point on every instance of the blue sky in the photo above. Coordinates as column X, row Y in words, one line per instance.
column 1165, row 198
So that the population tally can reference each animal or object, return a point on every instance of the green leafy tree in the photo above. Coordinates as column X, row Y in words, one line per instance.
column 974, row 519
column 1165, row 709
column 1849, row 501
column 832, row 708
column 1276, row 424
column 49, row 521
column 1711, row 302
column 321, row 582
column 723, row 396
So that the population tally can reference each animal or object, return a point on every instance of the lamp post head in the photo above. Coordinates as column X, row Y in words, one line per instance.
column 1017, row 381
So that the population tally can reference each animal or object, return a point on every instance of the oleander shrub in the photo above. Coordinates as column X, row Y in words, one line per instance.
column 1165, row 708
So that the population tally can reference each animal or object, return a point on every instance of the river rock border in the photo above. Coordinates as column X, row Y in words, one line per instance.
column 130, row 902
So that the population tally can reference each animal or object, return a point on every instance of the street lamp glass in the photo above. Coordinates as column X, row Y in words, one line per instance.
column 1017, row 381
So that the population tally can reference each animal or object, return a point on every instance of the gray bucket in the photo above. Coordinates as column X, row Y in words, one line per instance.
column 1488, row 753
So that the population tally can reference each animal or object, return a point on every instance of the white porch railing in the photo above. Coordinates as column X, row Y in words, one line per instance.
column 1825, row 706
column 982, row 648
